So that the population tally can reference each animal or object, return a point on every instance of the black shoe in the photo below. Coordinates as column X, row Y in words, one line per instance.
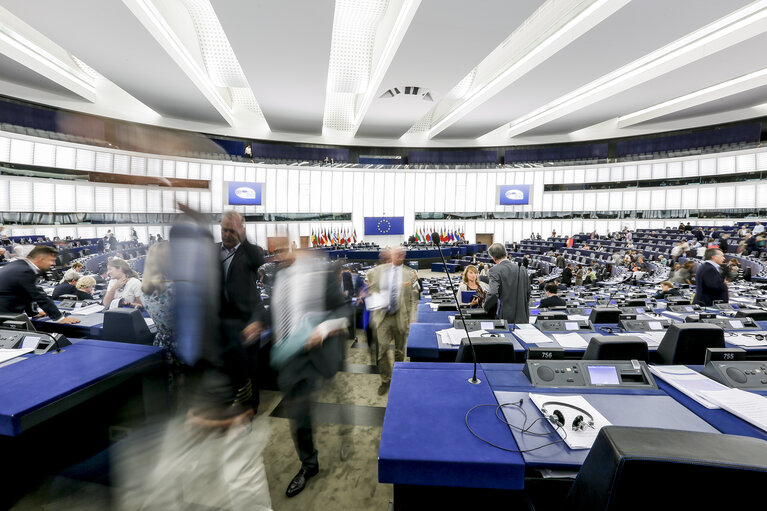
column 299, row 481
column 383, row 389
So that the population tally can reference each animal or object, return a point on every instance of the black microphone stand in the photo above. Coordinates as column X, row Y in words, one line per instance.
column 435, row 239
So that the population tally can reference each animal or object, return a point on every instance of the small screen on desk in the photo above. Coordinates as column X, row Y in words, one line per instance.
column 30, row 342
column 603, row 375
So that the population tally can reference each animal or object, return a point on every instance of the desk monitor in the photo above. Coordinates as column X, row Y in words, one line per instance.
column 16, row 319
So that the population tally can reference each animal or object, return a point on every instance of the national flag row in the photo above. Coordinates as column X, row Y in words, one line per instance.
column 445, row 236
column 326, row 237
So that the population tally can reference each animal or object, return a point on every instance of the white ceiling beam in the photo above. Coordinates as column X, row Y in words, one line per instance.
column 25, row 45
column 727, row 31
column 152, row 19
column 700, row 97
column 551, row 28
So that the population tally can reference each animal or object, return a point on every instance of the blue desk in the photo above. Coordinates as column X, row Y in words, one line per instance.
column 39, row 387
column 422, row 344
column 424, row 440
column 429, row 316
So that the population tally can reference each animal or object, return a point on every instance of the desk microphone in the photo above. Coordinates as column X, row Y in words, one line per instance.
column 435, row 239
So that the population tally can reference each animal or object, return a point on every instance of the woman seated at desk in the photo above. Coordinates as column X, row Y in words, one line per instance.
column 123, row 284
column 470, row 283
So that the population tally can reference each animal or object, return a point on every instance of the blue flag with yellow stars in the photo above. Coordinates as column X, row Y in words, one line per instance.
column 384, row 225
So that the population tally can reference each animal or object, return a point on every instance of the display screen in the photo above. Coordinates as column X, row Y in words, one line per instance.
column 246, row 194
column 509, row 195
column 603, row 375
column 30, row 342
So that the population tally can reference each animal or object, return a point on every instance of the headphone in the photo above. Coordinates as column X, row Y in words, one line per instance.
column 610, row 330
column 557, row 418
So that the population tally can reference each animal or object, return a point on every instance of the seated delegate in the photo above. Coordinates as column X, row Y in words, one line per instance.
column 123, row 284
column 67, row 286
column 552, row 299
column 471, row 282
column 85, row 287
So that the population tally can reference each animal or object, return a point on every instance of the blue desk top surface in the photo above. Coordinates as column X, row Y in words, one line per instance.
column 38, row 380
column 425, row 441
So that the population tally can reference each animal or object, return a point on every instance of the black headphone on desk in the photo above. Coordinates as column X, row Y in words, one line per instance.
column 557, row 418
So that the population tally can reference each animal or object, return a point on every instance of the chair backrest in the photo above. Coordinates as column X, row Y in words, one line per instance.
column 686, row 343
column 126, row 325
column 681, row 464
column 605, row 315
column 489, row 350
column 628, row 347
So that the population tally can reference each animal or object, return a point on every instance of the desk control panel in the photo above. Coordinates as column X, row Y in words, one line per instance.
column 564, row 325
column 732, row 323
column 683, row 308
column 481, row 324
column 626, row 309
column 644, row 325
column 738, row 374
column 41, row 342
column 632, row 374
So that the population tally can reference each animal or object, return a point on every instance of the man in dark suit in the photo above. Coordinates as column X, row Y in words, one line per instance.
column 552, row 299
column 709, row 282
column 306, row 288
column 241, row 312
column 18, row 285
column 510, row 284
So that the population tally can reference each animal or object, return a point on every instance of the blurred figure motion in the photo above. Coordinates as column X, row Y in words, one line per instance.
column 309, row 318
column 211, row 454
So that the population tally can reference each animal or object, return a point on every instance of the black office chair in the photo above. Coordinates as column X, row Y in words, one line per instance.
column 605, row 315
column 126, row 325
column 686, row 343
column 628, row 347
column 685, row 467
column 755, row 314
column 497, row 350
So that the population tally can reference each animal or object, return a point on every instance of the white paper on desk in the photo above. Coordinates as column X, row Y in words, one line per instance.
column 453, row 336
column 748, row 406
column 8, row 354
column 577, row 317
column 570, row 340
column 574, row 439
column 114, row 304
column 434, row 307
column 677, row 315
column 149, row 321
column 532, row 336
column 651, row 338
column 690, row 383
column 90, row 309
column 376, row 301
column 741, row 339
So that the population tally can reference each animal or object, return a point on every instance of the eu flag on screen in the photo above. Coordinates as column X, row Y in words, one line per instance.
column 384, row 225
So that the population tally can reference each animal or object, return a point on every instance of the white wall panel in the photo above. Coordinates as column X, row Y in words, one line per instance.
column 194, row 170
column 707, row 197
column 761, row 195
column 390, row 193
column 745, row 196
column 347, row 205
column 630, row 173
column 659, row 170
column 5, row 148
column 45, row 196
column 409, row 192
column 165, row 168
column 137, row 200
column 707, row 166
column 45, row 155
column 644, row 171
column 379, row 193
column 567, row 202
column 206, row 171
column 281, row 191
column 616, row 200
column 644, row 200
column 120, row 164
column 66, row 157
column 369, row 193
column 761, row 160
column 227, row 171
column 429, row 193
column 616, row 174
column 5, row 200
column 725, row 197
column 169, row 202
column 589, row 201
column 491, row 193
column 674, row 198
column 103, row 202
column 205, row 202
column 154, row 201
column 674, row 169
column 690, row 168
column 569, row 176
column 294, row 188
column 579, row 176
column 216, row 197
column 439, row 192
column 591, row 175
column 578, row 201
column 629, row 199
column 65, row 197
column 471, row 196
column 271, row 191
column 746, row 162
column 138, row 167
column 603, row 174
column 121, row 201
column 85, row 160
column 193, row 200
column 239, row 173
column 689, row 197
column 725, row 165
column 181, row 169
column 85, row 198
column 304, row 191
column 547, row 202
column 603, row 201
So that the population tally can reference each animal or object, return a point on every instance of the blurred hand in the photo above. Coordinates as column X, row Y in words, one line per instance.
column 40, row 314
column 314, row 340
column 474, row 301
column 69, row 321
column 252, row 333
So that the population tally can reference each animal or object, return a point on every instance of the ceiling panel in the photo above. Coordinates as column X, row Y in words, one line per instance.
column 12, row 71
column 445, row 41
column 753, row 97
column 721, row 66
column 283, row 48
column 637, row 29
column 107, row 37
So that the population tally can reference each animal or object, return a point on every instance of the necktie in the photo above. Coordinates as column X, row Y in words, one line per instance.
column 393, row 288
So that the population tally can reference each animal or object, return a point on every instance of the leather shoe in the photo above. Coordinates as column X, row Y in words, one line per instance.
column 299, row 481
column 383, row 389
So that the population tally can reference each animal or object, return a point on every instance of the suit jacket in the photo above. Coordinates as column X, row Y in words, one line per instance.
column 552, row 301
column 408, row 296
column 18, row 289
column 709, row 285
column 240, row 298
column 510, row 284
column 322, row 362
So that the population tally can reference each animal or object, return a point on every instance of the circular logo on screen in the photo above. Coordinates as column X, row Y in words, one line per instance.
column 514, row 194
column 244, row 192
column 384, row 226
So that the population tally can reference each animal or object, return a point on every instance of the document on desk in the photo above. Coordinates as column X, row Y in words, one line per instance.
column 453, row 336
column 8, row 354
column 690, row 383
column 90, row 309
column 571, row 340
column 745, row 339
column 434, row 307
column 651, row 338
column 577, row 317
column 571, row 407
column 532, row 336
column 748, row 406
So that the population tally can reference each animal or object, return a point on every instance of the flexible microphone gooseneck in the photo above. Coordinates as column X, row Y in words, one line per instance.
column 435, row 239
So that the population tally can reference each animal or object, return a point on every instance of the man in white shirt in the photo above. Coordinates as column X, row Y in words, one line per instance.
column 758, row 228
